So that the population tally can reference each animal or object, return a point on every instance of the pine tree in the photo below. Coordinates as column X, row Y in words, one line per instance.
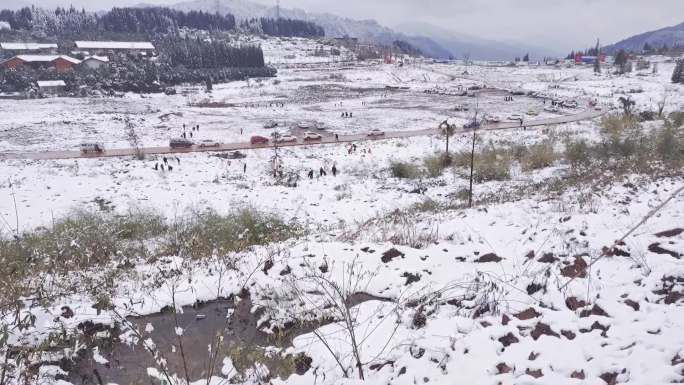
column 678, row 73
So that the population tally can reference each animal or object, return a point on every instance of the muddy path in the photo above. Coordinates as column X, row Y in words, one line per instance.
column 228, row 326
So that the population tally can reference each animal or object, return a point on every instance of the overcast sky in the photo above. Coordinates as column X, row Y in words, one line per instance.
column 561, row 24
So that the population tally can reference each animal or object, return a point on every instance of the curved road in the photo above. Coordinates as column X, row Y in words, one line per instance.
column 121, row 152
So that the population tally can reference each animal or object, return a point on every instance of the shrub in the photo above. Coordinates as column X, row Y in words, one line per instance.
column 539, row 156
column 492, row 164
column 404, row 170
column 435, row 165
column 579, row 155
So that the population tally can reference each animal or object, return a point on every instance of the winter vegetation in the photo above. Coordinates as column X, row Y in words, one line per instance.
column 542, row 245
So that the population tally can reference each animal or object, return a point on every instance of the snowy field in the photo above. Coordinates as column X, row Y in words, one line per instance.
column 530, row 289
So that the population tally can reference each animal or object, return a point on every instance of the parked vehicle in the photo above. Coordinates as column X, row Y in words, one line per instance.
column 209, row 143
column 320, row 126
column 92, row 147
column 375, row 133
column 285, row 139
column 514, row 117
column 309, row 136
column 180, row 143
column 551, row 109
column 258, row 140
column 271, row 124
column 472, row 125
column 304, row 125
column 492, row 119
column 532, row 113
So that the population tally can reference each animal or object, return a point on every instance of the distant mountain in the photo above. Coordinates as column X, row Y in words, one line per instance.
column 335, row 26
column 670, row 36
column 478, row 49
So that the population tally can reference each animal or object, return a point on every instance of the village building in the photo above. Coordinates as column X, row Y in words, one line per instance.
column 12, row 49
column 61, row 63
column 104, row 48
column 95, row 62
column 51, row 87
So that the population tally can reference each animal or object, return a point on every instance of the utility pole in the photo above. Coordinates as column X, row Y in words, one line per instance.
column 277, row 9
column 472, row 164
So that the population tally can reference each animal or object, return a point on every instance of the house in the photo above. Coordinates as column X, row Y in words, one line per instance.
column 28, row 48
column 52, row 87
column 61, row 63
column 95, row 62
column 101, row 48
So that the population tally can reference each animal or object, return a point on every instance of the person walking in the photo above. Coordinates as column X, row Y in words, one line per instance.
column 322, row 172
column 191, row 135
column 337, row 138
column 310, row 174
column 334, row 170
column 170, row 168
column 244, row 168
column 156, row 167
column 166, row 160
column 178, row 159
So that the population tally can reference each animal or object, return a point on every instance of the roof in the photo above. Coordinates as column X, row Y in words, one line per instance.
column 114, row 45
column 46, row 58
column 26, row 46
column 103, row 59
column 51, row 83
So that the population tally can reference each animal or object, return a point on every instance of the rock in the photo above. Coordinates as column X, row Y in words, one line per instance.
column 390, row 254
column 286, row 271
column 548, row 258
column 534, row 373
column 530, row 254
column 324, row 267
column 568, row 334
column 597, row 326
column 577, row 269
column 487, row 258
column 673, row 297
column 410, row 277
column 609, row 378
column 502, row 368
column 669, row 233
column 527, row 314
column 302, row 363
column 595, row 310
column 573, row 303
column 578, row 374
column 543, row 329
column 402, row 371
column 633, row 304
column 267, row 266
column 505, row 319
column 655, row 248
column 533, row 288
column 533, row 356
column 508, row 339
column 67, row 312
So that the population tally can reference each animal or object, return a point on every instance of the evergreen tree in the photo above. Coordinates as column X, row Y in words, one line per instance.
column 526, row 58
column 678, row 73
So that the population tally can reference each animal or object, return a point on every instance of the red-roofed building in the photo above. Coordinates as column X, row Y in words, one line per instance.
column 61, row 63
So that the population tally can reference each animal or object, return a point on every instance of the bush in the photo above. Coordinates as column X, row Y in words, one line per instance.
column 492, row 164
column 579, row 155
column 207, row 233
column 435, row 165
column 539, row 156
column 404, row 170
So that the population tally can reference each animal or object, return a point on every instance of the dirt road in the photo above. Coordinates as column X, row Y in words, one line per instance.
column 122, row 152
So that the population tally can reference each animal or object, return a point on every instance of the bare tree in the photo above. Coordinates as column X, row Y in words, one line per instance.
column 134, row 140
column 338, row 299
column 662, row 102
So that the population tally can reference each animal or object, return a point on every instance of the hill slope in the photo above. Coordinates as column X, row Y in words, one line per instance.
column 669, row 36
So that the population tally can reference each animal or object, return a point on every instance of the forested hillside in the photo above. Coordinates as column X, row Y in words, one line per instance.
column 190, row 46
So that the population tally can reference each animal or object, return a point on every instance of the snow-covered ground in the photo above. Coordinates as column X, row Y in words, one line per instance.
column 459, row 309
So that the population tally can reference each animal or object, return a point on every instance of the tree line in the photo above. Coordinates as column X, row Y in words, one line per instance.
column 283, row 27
column 74, row 23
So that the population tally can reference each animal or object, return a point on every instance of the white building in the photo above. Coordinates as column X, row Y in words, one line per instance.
column 95, row 62
column 51, row 86
column 19, row 48
column 109, row 47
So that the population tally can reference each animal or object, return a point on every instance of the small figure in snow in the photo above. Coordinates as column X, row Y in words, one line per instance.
column 322, row 172
column 310, row 174
column 334, row 170
column 170, row 168
column 178, row 159
column 156, row 167
column 244, row 168
column 166, row 161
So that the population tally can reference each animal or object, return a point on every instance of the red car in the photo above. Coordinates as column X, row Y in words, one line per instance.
column 258, row 140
